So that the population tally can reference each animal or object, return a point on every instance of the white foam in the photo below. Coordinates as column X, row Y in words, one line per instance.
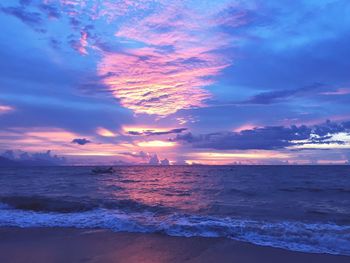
column 297, row 236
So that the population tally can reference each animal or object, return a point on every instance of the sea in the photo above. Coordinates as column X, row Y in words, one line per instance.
column 299, row 208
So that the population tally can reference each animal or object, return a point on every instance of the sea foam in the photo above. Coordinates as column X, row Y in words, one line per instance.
column 297, row 236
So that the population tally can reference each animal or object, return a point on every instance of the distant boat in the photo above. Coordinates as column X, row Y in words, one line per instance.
column 103, row 170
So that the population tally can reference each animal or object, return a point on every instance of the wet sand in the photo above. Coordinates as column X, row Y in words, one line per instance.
column 46, row 245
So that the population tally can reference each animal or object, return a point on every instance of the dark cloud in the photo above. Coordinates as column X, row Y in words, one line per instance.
column 154, row 99
column 54, row 43
column 81, row 141
column 152, row 132
column 38, row 158
column 260, row 67
column 262, row 138
column 93, row 85
column 154, row 160
column 50, row 10
column 280, row 95
column 74, row 22
column 29, row 18
column 107, row 47
column 164, row 162
column 267, row 138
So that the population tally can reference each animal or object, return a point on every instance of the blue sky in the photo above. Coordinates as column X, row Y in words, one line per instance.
column 214, row 82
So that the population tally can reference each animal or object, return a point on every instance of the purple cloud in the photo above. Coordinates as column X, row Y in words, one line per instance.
column 82, row 141
column 142, row 155
column 152, row 132
column 29, row 18
column 280, row 95
column 267, row 138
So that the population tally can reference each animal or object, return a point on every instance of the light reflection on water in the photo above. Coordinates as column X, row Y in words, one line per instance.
column 314, row 193
column 302, row 208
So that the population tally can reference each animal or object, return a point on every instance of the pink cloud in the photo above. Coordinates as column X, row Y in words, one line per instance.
column 5, row 109
column 82, row 44
column 341, row 91
column 156, row 85
column 171, row 50
column 179, row 58
column 244, row 127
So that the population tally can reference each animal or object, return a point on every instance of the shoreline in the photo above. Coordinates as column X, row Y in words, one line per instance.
column 46, row 245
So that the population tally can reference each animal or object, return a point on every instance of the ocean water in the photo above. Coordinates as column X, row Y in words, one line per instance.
column 301, row 208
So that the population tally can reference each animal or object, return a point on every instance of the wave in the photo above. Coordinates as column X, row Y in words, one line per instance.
column 45, row 204
column 297, row 236
column 70, row 205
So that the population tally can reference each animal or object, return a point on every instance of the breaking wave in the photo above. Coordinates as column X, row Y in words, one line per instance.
column 297, row 236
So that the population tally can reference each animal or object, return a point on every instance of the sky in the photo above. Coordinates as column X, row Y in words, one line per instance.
column 184, row 81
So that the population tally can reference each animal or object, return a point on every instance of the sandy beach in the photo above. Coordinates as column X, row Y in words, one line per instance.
column 46, row 245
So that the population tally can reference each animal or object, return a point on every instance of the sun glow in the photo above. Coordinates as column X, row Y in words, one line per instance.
column 104, row 132
column 247, row 126
column 156, row 144
column 141, row 129
column 53, row 135
column 225, row 158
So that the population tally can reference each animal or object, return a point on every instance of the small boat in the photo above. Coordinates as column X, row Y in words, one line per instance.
column 103, row 170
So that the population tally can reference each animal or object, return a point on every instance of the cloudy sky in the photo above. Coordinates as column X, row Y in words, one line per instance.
column 195, row 81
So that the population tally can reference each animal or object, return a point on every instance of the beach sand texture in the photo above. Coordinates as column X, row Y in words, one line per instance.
column 51, row 245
